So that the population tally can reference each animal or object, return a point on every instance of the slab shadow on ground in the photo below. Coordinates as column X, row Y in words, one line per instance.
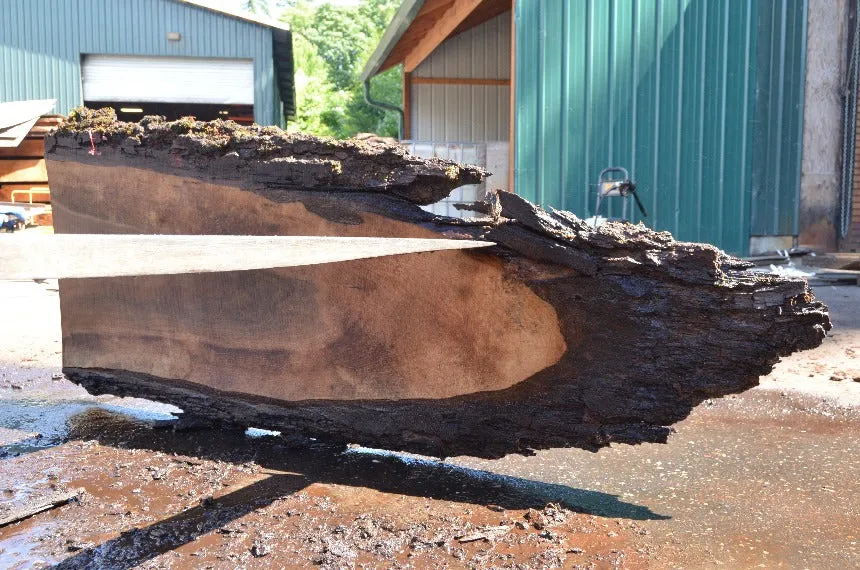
column 299, row 465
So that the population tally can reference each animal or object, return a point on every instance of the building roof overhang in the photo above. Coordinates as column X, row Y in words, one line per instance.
column 419, row 26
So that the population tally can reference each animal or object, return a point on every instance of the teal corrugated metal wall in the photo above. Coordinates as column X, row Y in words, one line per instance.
column 673, row 91
column 778, row 117
column 41, row 43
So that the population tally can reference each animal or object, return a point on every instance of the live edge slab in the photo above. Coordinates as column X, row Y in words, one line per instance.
column 560, row 335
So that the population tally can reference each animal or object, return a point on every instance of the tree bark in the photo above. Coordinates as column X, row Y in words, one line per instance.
column 560, row 335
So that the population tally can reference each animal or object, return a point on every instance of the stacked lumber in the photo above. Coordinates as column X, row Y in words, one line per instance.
column 22, row 168
column 560, row 335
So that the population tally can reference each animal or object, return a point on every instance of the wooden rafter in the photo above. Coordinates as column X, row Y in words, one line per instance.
column 444, row 27
column 488, row 10
column 431, row 12
column 431, row 6
column 458, row 81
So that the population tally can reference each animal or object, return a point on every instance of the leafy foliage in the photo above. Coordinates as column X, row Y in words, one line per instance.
column 256, row 6
column 331, row 44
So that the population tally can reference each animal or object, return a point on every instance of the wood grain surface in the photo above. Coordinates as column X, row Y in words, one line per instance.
column 420, row 326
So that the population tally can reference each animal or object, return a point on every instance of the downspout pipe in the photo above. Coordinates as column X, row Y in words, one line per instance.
column 384, row 106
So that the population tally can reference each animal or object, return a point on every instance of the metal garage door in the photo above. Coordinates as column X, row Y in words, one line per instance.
column 168, row 79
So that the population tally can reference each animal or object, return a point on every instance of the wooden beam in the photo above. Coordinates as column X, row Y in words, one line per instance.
column 459, row 81
column 445, row 25
column 407, row 105
column 423, row 23
column 23, row 170
column 29, row 148
column 433, row 5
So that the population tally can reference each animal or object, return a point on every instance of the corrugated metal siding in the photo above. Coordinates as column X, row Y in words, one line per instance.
column 779, row 117
column 466, row 112
column 41, row 43
column 664, row 88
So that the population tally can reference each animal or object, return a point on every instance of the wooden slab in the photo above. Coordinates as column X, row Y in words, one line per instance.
column 562, row 334
column 14, row 113
column 42, row 195
column 17, row 119
column 23, row 170
column 28, row 148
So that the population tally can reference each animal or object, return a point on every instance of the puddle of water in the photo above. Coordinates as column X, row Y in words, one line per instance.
column 51, row 420
column 17, row 551
column 259, row 432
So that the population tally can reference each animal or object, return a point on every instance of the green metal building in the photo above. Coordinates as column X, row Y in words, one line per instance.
column 170, row 57
column 701, row 100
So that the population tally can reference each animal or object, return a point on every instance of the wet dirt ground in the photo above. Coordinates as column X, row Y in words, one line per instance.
column 769, row 478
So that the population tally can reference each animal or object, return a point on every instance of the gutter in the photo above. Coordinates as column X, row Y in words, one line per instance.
column 395, row 30
column 384, row 106
column 399, row 24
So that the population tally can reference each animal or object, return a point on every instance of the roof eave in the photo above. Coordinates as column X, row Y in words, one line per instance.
column 395, row 30
column 267, row 22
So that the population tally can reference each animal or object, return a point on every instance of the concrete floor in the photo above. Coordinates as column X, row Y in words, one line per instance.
column 769, row 478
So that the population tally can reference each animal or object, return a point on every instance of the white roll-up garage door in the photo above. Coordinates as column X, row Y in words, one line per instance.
column 168, row 79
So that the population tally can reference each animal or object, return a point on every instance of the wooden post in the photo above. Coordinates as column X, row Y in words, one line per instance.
column 407, row 104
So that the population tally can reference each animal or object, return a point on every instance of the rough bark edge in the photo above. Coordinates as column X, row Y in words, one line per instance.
column 465, row 425
column 261, row 155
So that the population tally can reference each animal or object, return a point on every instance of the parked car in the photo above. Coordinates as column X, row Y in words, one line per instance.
column 12, row 218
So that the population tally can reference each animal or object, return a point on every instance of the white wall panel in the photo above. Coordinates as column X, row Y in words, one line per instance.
column 466, row 113
column 461, row 113
column 484, row 51
column 494, row 156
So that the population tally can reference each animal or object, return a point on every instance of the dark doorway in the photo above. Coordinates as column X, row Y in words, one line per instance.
column 133, row 110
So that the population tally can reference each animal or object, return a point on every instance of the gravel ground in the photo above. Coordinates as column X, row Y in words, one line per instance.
column 769, row 478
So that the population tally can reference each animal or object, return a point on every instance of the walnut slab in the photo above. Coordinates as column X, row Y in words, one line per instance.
column 559, row 335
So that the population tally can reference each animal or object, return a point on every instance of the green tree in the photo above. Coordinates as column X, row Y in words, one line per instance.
column 256, row 6
column 331, row 44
